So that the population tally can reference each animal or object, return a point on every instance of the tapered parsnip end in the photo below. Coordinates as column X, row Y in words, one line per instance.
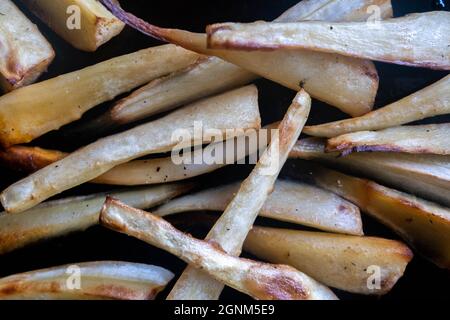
column 98, row 280
column 423, row 224
column 290, row 202
column 261, row 281
column 25, row 53
column 431, row 101
column 224, row 116
column 85, row 24
column 28, row 159
column 418, row 40
column 428, row 139
column 320, row 255
column 337, row 10
column 82, row 90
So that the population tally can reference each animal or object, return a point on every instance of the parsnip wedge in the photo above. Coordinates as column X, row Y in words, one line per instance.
column 61, row 217
column 25, row 52
column 85, row 24
column 259, row 280
column 142, row 172
column 290, row 202
column 429, row 102
column 339, row 261
column 425, row 175
column 237, row 220
column 32, row 111
column 229, row 115
column 419, row 40
column 428, row 139
column 347, row 83
column 424, row 225
column 197, row 81
column 98, row 280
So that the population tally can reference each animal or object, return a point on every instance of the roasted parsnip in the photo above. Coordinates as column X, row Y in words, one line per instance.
column 98, row 280
column 29, row 159
column 424, row 175
column 85, row 24
column 61, row 217
column 419, row 40
column 423, row 224
column 259, row 280
column 339, row 261
column 428, row 139
column 290, row 202
column 347, row 83
column 34, row 110
column 237, row 220
column 429, row 102
column 25, row 54
column 229, row 115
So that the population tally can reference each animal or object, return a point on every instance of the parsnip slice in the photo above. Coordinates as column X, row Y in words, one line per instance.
column 32, row 111
column 428, row 139
column 339, row 261
column 424, row 175
column 61, row 217
column 237, row 220
column 229, row 114
column 25, row 52
column 29, row 159
column 423, row 224
column 347, row 83
column 259, row 280
column 337, row 10
column 290, row 202
column 429, row 102
column 98, row 280
column 419, row 40
column 85, row 24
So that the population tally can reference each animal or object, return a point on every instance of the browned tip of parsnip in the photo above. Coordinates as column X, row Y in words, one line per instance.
column 259, row 280
column 28, row 159
column 97, row 280
column 421, row 139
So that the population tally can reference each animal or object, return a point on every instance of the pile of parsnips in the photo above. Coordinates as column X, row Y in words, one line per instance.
column 322, row 49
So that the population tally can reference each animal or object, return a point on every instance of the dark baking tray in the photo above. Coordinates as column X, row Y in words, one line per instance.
column 422, row 279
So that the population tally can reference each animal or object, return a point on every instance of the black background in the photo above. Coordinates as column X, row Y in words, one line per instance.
column 422, row 279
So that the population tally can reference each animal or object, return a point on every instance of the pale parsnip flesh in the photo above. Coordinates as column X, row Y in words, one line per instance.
column 425, row 175
column 349, row 84
column 339, row 261
column 290, row 202
column 25, row 52
column 97, row 25
column 427, row 139
column 237, row 220
column 419, row 40
column 100, row 280
column 424, row 225
column 32, row 111
column 230, row 113
column 431, row 101
column 259, row 280
column 61, row 217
